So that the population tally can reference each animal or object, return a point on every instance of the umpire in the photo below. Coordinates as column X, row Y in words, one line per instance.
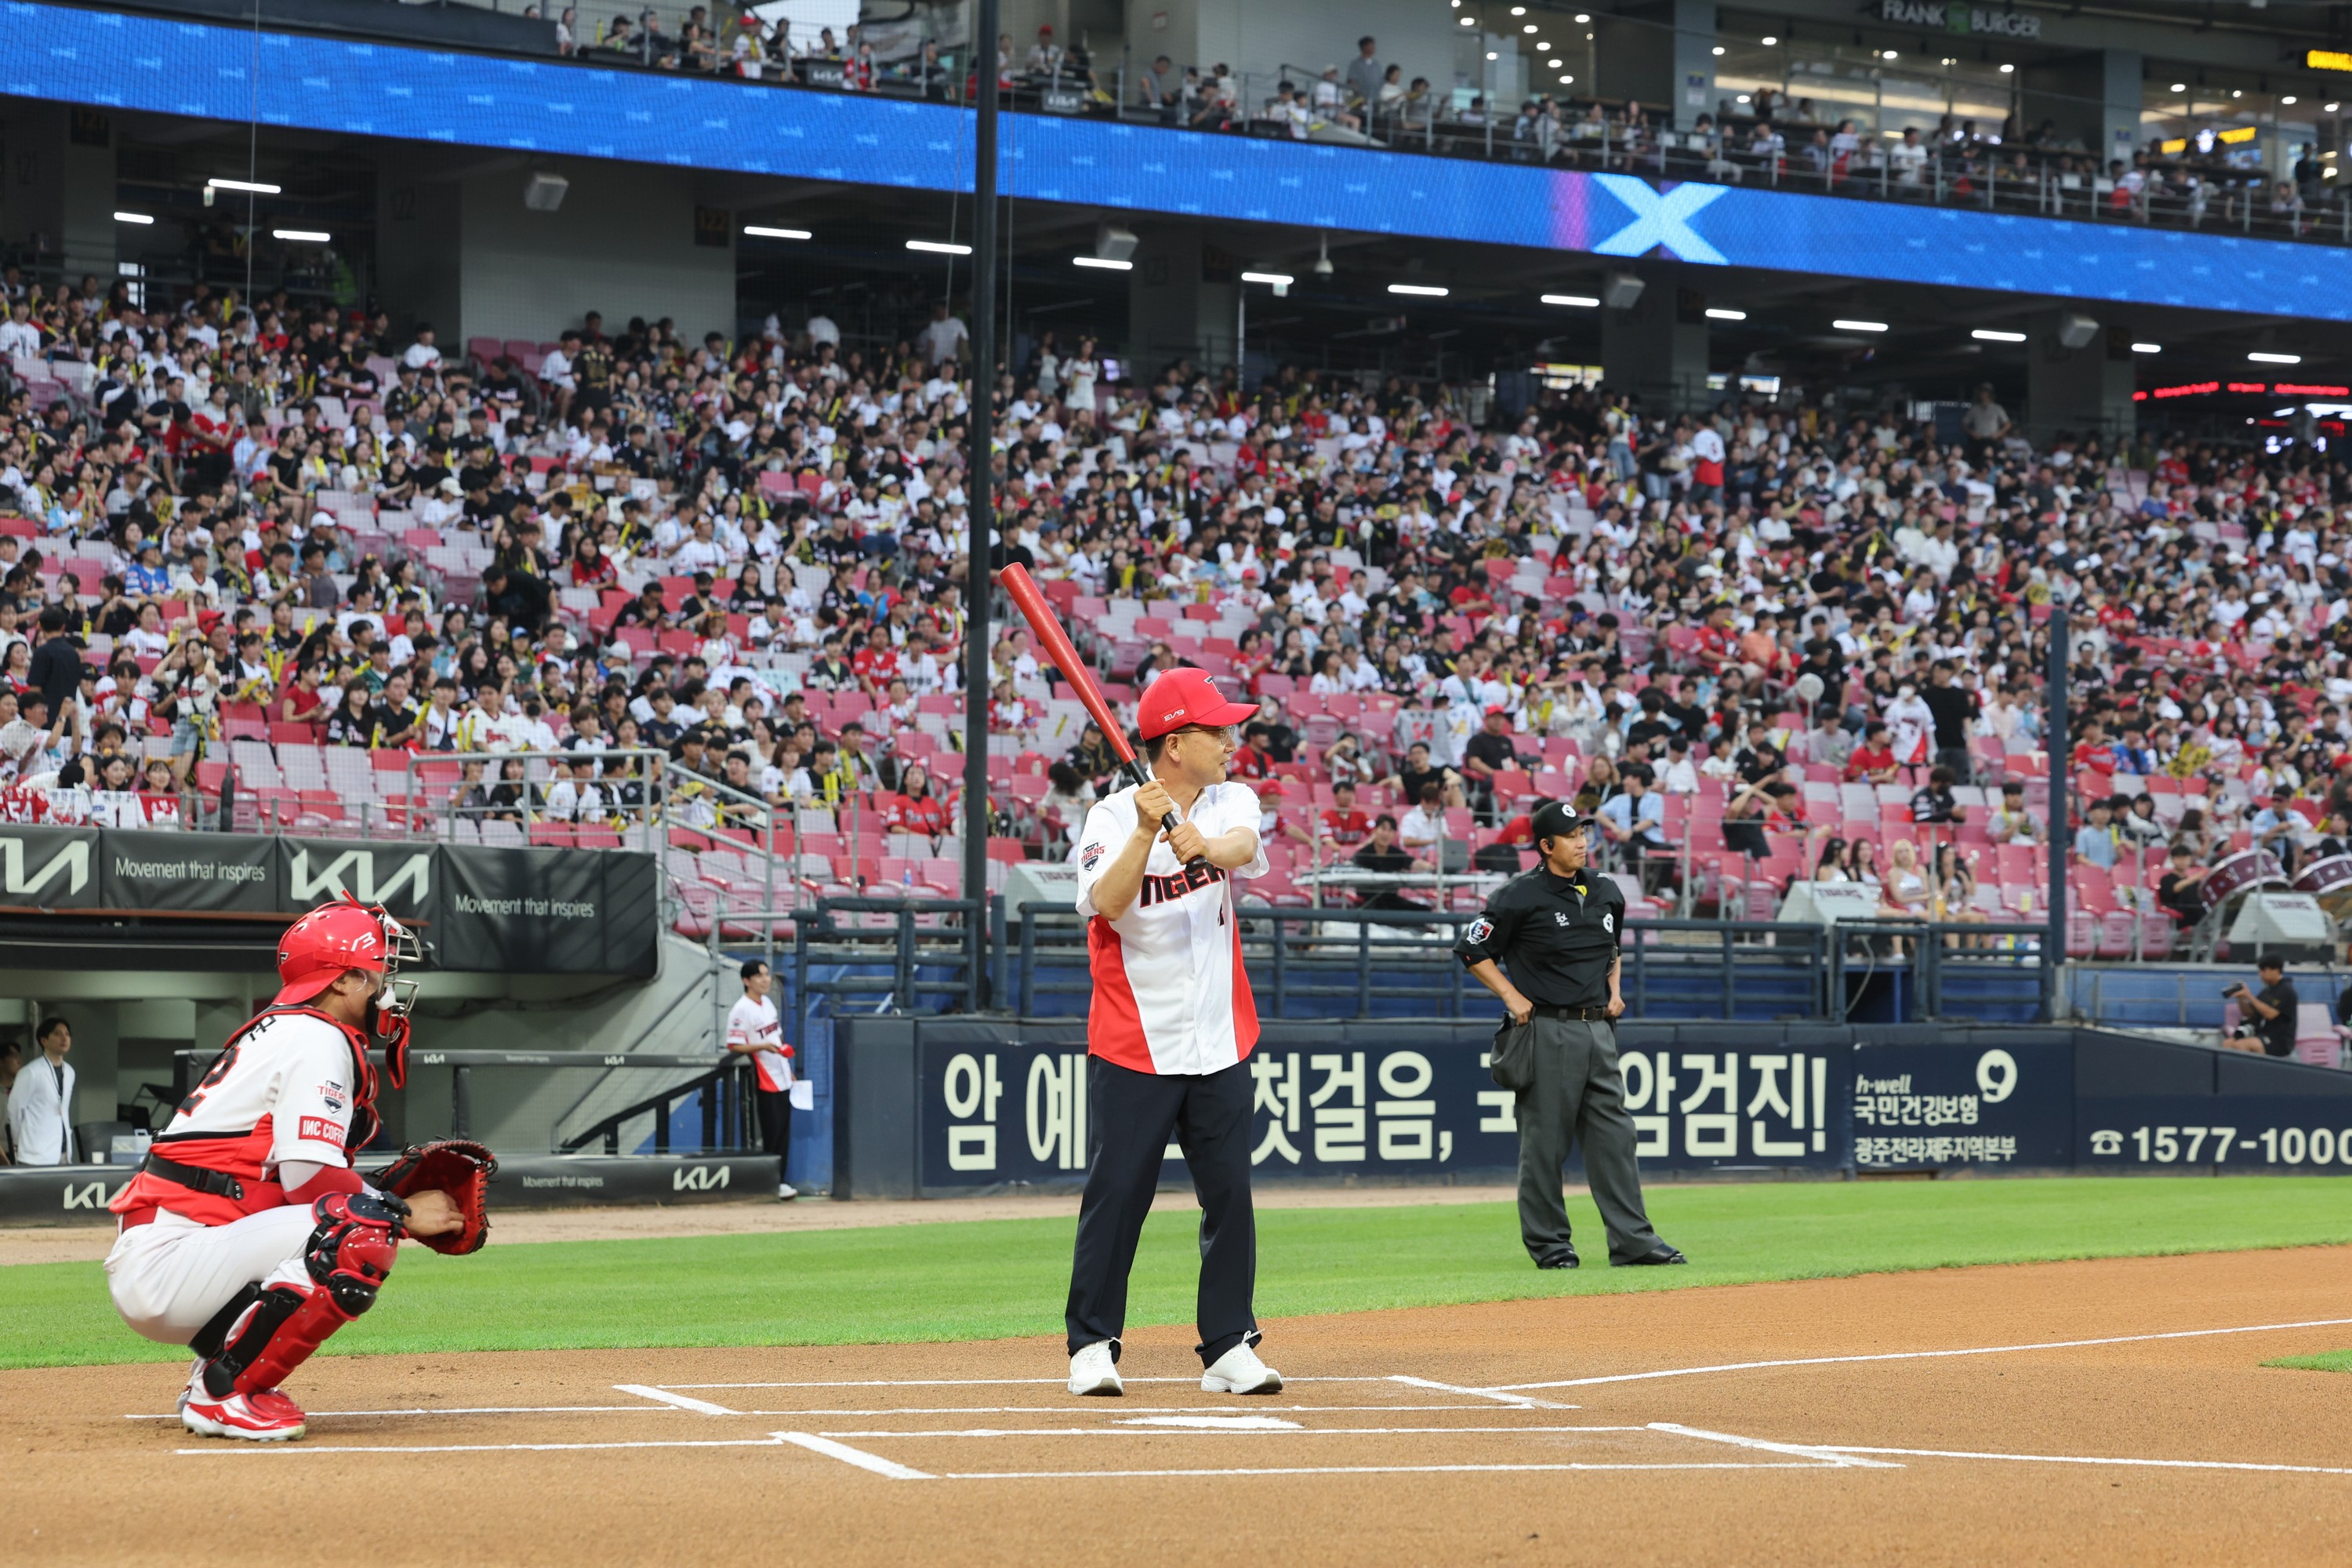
column 1557, row 927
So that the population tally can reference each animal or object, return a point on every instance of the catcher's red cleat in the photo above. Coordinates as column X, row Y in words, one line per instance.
column 267, row 1416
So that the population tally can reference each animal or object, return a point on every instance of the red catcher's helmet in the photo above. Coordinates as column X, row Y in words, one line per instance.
column 325, row 944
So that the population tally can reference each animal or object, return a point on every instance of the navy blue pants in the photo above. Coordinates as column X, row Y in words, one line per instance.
column 1131, row 1118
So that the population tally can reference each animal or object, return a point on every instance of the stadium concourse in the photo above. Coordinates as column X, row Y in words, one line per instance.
column 268, row 555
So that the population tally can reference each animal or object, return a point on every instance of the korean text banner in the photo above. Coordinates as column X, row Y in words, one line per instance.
column 118, row 61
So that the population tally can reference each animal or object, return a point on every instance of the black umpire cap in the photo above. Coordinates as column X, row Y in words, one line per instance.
column 1554, row 819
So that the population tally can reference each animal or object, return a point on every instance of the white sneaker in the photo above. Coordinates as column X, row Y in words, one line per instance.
column 786, row 1191
column 1239, row 1370
column 1093, row 1371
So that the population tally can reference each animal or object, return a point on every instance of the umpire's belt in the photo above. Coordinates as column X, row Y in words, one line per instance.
column 1569, row 1014
column 219, row 1183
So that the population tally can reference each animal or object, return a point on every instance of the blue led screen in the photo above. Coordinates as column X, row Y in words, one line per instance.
column 321, row 84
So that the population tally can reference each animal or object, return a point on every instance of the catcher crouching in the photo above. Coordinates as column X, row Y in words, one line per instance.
column 248, row 1236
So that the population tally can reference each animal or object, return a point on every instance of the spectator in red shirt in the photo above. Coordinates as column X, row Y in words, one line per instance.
column 914, row 808
column 1874, row 762
column 1343, row 825
column 876, row 662
column 1250, row 760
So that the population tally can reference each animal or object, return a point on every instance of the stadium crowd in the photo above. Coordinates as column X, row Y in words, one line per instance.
column 1772, row 641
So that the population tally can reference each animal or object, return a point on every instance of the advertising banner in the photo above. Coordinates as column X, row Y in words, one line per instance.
column 1399, row 1103
column 2000, row 1106
column 404, row 878
column 2307, row 1134
column 48, row 868
column 546, row 911
column 218, row 873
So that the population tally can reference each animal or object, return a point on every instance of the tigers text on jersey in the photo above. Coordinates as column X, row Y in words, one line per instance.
column 1171, row 994
column 751, row 1023
column 285, row 1090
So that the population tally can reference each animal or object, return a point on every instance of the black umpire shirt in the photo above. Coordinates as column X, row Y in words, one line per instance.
column 1556, row 936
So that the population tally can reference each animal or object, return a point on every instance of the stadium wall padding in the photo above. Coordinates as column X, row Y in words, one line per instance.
column 956, row 1107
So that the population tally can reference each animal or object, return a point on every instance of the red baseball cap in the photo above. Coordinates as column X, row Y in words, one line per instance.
column 1186, row 696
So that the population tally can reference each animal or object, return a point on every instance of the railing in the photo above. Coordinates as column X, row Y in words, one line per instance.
column 912, row 936
column 726, row 1094
column 724, row 1085
column 1562, row 131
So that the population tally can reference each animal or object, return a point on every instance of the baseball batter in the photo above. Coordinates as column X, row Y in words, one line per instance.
column 1169, row 1032
column 247, row 1235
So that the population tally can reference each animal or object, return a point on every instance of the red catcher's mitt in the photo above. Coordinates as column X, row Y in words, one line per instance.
column 458, row 1166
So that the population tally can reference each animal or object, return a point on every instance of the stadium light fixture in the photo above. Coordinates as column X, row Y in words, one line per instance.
column 2258, row 357
column 2288, row 99
column 1529, row 28
column 1890, row 53
column 762, row 231
column 1994, row 335
column 1769, row 41
column 1102, row 263
column 939, row 247
column 2148, row 348
column 2008, row 69
column 1717, row 314
column 1845, row 324
column 1567, row 81
column 2178, row 86
column 1279, row 280
column 134, row 218
column 1419, row 290
column 1579, row 301
column 306, row 236
column 1719, row 48
column 1469, row 21
column 1493, row 56
column 1583, row 16
column 255, row 186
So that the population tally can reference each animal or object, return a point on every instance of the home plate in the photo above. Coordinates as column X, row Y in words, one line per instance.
column 1217, row 1423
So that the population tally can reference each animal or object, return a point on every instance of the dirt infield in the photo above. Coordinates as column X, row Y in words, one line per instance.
column 2084, row 1414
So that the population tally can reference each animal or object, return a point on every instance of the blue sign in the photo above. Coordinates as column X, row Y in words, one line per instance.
column 1015, row 1113
column 1990, row 1107
column 323, row 84
column 2238, row 1132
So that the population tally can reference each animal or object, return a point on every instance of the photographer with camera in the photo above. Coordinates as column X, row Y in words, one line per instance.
column 2266, row 1017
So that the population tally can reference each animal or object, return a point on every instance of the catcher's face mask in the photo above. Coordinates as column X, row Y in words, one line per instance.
column 388, row 1013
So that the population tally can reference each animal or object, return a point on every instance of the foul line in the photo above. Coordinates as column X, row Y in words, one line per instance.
column 462, row 1410
column 1516, row 1401
column 858, row 1457
column 699, row 1406
column 977, row 1382
column 1349, row 1470
column 1249, row 1432
column 1923, row 1355
column 1820, row 1455
column 1137, row 1409
column 2082, row 1459
column 772, row 1440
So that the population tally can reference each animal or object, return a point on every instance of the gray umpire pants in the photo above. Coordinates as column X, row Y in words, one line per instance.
column 1577, row 1096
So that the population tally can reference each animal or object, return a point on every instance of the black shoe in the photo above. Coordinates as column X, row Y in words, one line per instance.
column 1564, row 1259
column 1663, row 1254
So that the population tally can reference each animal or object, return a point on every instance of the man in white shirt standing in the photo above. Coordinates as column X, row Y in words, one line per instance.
column 943, row 340
column 1169, row 1031
column 40, row 1106
column 753, row 1030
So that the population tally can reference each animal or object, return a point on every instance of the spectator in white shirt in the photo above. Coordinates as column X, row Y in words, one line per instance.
column 944, row 339
column 421, row 355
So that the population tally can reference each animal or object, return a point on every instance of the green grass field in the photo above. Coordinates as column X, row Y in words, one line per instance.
column 2332, row 1360
column 968, row 1280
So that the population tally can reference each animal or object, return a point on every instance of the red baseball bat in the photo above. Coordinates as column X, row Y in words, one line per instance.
column 1022, row 589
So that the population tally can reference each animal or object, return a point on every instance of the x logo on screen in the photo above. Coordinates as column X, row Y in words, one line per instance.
column 1659, row 218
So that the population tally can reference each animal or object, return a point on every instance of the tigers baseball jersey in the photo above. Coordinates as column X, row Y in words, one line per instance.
column 751, row 1023
column 1170, row 991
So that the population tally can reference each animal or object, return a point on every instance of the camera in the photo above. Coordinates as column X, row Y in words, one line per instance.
column 2232, row 990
